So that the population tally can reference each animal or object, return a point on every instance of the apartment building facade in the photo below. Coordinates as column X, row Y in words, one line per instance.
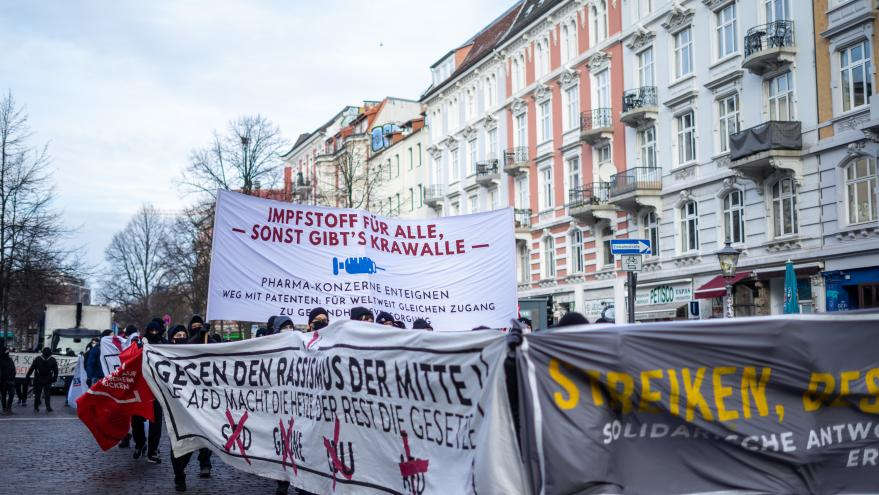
column 522, row 115
column 400, row 156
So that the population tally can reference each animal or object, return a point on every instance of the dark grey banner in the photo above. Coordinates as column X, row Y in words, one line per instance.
column 767, row 405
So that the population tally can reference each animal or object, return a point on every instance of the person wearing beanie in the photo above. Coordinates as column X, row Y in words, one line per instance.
column 318, row 318
column 421, row 324
column 572, row 318
column 384, row 318
column 268, row 329
column 360, row 313
column 399, row 324
column 282, row 324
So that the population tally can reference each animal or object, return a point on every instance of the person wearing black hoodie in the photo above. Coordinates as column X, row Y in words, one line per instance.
column 199, row 333
column 45, row 371
column 7, row 379
column 384, row 318
column 571, row 318
column 360, row 313
column 317, row 318
column 154, row 335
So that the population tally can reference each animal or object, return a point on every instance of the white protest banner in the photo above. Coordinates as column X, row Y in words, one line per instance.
column 78, row 384
column 356, row 408
column 111, row 346
column 23, row 361
column 275, row 258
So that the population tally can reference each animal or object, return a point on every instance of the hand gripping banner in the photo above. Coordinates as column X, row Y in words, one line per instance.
column 356, row 408
column 758, row 405
column 276, row 258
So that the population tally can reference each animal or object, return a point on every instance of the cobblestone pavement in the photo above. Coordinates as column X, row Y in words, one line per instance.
column 53, row 453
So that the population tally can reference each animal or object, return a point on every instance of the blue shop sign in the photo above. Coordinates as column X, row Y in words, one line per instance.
column 838, row 297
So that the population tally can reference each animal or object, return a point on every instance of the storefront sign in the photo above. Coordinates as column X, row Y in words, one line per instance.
column 665, row 294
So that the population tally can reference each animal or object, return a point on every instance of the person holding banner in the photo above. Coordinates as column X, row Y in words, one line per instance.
column 141, row 442
column 45, row 371
column 360, row 313
column 317, row 318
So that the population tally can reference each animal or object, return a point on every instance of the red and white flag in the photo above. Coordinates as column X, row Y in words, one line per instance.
column 107, row 407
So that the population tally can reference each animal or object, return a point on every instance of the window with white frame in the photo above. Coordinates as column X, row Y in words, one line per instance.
column 576, row 256
column 726, row 31
column 606, row 253
column 734, row 217
column 472, row 148
column 545, row 111
column 647, row 143
column 598, row 15
column 454, row 208
column 522, row 200
column 411, row 199
column 520, row 136
column 781, row 97
column 418, row 152
column 453, row 115
column 573, row 166
column 493, row 199
column 686, row 127
column 492, row 90
column 546, row 187
column 728, row 119
column 860, row 186
column 689, row 227
column 453, row 165
column 524, row 263
column 471, row 103
column 491, row 152
column 411, row 158
column 514, row 72
column 784, row 207
column 602, row 155
column 541, row 66
column 572, row 107
column 855, row 75
column 683, row 52
column 776, row 10
column 548, row 257
column 473, row 204
column 520, row 72
column 569, row 40
column 641, row 8
column 420, row 195
column 602, row 90
column 651, row 231
column 645, row 67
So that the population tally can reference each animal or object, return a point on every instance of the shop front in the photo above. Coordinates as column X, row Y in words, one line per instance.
column 852, row 289
column 713, row 295
column 663, row 301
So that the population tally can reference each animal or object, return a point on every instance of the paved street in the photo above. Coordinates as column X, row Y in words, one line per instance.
column 55, row 453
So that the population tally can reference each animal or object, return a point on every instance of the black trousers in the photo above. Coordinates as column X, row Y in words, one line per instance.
column 21, row 389
column 179, row 463
column 155, row 433
column 42, row 390
column 7, row 394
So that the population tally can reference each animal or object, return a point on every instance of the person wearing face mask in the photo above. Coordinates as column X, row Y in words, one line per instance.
column 360, row 313
column 318, row 318
column 45, row 371
column 199, row 333
column 153, row 335
column 282, row 324
column 384, row 318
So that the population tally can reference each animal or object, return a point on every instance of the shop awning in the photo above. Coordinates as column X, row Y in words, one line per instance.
column 716, row 287
column 658, row 311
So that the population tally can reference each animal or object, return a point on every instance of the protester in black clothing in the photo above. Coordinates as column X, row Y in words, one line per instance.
column 180, row 336
column 572, row 318
column 45, row 371
column 399, row 324
column 384, row 318
column 154, row 335
column 199, row 333
column 7, row 379
column 268, row 329
column 421, row 324
column 360, row 313
column 282, row 324
column 317, row 318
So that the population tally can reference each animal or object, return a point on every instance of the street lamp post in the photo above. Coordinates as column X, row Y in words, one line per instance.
column 728, row 258
column 245, row 141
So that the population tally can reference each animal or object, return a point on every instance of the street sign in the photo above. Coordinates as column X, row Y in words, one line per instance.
column 631, row 262
column 630, row 246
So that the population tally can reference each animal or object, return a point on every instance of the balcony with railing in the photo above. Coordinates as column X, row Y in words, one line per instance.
column 488, row 172
column 635, row 188
column 640, row 106
column 596, row 125
column 769, row 47
column 433, row 195
column 522, row 222
column 759, row 151
column 590, row 203
column 516, row 161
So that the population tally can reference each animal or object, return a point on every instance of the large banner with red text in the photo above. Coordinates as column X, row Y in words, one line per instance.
column 276, row 258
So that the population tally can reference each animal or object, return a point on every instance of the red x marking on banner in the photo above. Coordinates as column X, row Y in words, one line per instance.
column 334, row 456
column 287, row 445
column 235, row 437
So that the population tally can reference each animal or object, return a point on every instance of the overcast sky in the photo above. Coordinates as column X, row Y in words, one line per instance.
column 123, row 90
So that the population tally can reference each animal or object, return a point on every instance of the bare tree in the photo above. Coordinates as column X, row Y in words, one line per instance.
column 351, row 182
column 187, row 255
column 134, row 259
column 243, row 159
column 32, row 260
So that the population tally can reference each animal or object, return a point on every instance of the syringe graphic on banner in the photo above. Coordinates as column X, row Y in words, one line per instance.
column 355, row 266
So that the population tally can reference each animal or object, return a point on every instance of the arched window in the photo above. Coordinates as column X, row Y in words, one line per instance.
column 540, row 59
column 492, row 90
column 576, row 256
column 520, row 73
column 471, row 104
column 860, row 190
column 784, row 207
column 734, row 217
column 524, row 263
column 689, row 227
column 566, row 54
column 651, row 231
column 571, row 41
column 548, row 257
column 514, row 74
column 593, row 27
